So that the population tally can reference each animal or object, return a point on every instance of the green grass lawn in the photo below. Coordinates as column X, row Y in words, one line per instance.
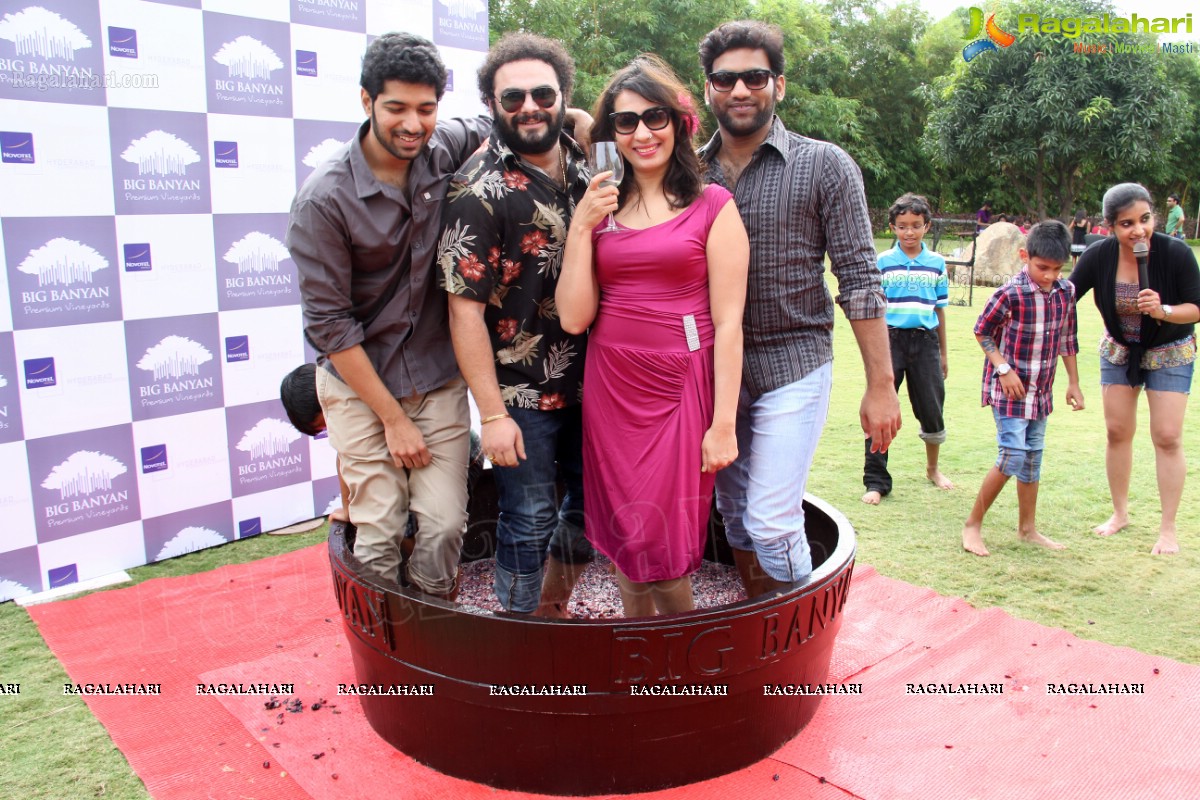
column 1111, row 590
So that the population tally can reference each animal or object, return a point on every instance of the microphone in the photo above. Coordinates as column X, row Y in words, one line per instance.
column 1141, row 251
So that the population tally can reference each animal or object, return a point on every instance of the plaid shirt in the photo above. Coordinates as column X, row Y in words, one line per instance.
column 800, row 198
column 1031, row 329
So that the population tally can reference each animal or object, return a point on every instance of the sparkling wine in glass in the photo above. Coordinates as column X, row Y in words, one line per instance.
column 606, row 158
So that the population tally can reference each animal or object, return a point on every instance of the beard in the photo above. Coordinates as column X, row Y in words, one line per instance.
column 742, row 126
column 530, row 144
column 387, row 144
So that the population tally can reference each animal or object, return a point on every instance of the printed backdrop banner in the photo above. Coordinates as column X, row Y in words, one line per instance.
column 149, row 153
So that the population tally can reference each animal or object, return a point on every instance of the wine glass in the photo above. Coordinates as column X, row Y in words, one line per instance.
column 606, row 158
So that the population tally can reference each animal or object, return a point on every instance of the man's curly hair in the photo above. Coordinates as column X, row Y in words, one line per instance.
column 402, row 57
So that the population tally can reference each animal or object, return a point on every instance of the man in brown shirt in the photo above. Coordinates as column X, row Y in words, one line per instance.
column 363, row 231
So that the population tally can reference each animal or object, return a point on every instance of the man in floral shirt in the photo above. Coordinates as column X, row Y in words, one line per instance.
column 505, row 225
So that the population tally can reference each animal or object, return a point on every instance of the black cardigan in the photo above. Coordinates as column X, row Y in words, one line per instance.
column 1172, row 273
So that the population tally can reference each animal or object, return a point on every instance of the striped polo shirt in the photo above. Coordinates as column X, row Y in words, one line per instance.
column 914, row 287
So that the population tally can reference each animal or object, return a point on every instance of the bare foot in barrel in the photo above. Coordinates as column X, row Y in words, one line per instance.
column 872, row 498
column 552, row 611
column 1167, row 544
column 972, row 536
column 1115, row 524
column 938, row 479
column 1033, row 537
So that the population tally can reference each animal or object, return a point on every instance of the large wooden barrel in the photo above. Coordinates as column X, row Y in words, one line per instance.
column 589, row 706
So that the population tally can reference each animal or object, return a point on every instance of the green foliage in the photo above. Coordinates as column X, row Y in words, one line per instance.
column 1053, row 123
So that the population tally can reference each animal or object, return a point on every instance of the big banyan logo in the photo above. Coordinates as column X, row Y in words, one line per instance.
column 35, row 31
column 994, row 36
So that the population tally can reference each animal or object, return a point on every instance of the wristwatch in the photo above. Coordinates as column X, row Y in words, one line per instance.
column 1004, row 369
column 1167, row 311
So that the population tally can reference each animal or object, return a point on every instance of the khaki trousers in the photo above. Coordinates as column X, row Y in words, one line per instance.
column 382, row 495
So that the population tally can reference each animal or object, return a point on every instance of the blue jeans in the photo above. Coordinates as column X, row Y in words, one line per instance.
column 531, row 520
column 1021, row 443
column 761, row 494
column 917, row 355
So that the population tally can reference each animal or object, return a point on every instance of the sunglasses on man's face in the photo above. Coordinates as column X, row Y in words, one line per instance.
column 724, row 81
column 655, row 119
column 511, row 100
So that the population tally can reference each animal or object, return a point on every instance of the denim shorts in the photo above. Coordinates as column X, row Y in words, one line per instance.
column 1163, row 379
column 1021, row 442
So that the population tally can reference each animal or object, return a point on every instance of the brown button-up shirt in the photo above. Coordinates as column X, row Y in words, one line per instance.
column 353, row 239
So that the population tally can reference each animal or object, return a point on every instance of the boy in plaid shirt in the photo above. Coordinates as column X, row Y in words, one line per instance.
column 1025, row 326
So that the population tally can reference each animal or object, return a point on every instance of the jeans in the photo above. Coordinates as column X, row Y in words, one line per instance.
column 532, row 521
column 1021, row 444
column 761, row 494
column 916, row 354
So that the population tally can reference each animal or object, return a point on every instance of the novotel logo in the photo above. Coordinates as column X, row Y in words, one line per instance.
column 39, row 373
column 306, row 63
column 16, row 147
column 122, row 42
column 137, row 257
column 225, row 155
column 154, row 458
column 237, row 348
column 63, row 576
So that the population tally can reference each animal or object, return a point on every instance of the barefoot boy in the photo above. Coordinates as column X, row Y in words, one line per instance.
column 914, row 280
column 1025, row 326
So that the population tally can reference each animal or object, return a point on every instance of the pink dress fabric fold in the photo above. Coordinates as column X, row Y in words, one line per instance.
column 648, row 395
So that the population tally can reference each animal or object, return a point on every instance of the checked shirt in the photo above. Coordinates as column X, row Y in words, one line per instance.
column 1031, row 329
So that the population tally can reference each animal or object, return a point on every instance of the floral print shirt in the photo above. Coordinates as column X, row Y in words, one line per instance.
column 504, row 230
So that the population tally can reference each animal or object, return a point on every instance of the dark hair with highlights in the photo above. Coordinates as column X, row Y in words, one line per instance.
column 651, row 78
column 1049, row 239
column 748, row 33
column 526, row 47
column 402, row 57
column 909, row 203
column 298, row 393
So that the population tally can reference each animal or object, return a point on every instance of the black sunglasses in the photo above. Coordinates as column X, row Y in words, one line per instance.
column 511, row 100
column 724, row 81
column 626, row 122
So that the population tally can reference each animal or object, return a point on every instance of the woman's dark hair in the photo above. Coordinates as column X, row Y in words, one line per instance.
column 526, row 47
column 1079, row 216
column 1122, row 196
column 748, row 33
column 298, row 393
column 402, row 57
column 649, row 77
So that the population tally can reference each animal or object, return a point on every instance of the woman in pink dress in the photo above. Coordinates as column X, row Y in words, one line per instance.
column 663, row 297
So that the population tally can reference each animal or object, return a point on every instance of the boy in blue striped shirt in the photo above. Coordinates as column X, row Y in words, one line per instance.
column 917, row 289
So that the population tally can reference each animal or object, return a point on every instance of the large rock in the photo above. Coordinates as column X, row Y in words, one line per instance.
column 998, row 257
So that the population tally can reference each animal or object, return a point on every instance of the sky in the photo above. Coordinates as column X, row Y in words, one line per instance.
column 939, row 9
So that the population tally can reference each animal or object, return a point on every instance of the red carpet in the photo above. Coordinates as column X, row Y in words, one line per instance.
column 276, row 621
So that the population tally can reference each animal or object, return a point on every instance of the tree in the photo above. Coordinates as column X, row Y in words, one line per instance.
column 605, row 35
column 1050, row 120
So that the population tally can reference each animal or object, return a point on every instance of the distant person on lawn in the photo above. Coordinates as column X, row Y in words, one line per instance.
column 1025, row 326
column 1174, row 217
column 917, row 289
